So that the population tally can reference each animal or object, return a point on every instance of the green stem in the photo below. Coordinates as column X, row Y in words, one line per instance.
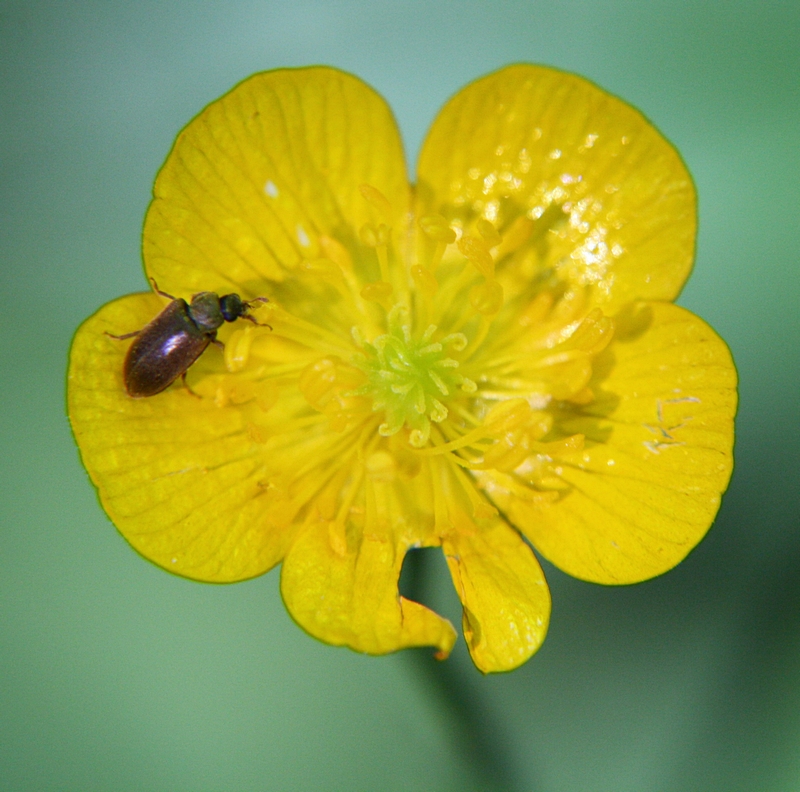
column 480, row 738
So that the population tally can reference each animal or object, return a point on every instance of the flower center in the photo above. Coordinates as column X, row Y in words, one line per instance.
column 410, row 379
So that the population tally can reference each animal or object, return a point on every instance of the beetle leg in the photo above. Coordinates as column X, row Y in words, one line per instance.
column 259, row 324
column 124, row 336
column 217, row 343
column 162, row 293
column 186, row 385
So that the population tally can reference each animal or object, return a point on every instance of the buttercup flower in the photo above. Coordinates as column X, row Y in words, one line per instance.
column 486, row 359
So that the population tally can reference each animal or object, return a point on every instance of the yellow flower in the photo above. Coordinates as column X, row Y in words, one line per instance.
column 487, row 355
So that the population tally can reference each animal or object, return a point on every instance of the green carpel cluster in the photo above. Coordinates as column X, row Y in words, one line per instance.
column 412, row 379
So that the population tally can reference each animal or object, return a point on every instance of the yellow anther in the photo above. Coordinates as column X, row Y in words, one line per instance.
column 237, row 350
column 425, row 280
column 327, row 502
column 374, row 236
column 594, row 332
column 487, row 297
column 515, row 236
column 324, row 269
column 266, row 395
column 552, row 482
column 478, row 254
column 407, row 462
column 507, row 453
column 337, row 536
column 233, row 391
column 327, row 271
column 539, row 424
column 507, row 415
column 368, row 234
column 437, row 228
column 221, row 398
column 378, row 291
column 377, row 200
column 585, row 396
column 537, row 310
column 569, row 445
column 336, row 252
column 337, row 420
column 257, row 433
column 381, row 466
column 241, row 392
column 488, row 232
column 317, row 383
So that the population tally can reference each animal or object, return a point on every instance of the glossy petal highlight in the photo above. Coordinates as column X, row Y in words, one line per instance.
column 584, row 186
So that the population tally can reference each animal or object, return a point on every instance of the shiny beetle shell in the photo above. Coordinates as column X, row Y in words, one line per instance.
column 164, row 349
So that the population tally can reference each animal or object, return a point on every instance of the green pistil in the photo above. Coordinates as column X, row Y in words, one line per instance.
column 411, row 379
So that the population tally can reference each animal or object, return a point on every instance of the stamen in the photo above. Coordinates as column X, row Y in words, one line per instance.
column 436, row 228
column 377, row 238
column 424, row 280
column 441, row 521
column 377, row 200
column 481, row 508
column 489, row 233
column 328, row 272
column 477, row 253
column 336, row 252
column 379, row 292
column 515, row 236
column 237, row 350
column 292, row 327
column 487, row 297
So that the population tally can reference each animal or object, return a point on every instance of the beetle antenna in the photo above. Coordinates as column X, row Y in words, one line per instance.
column 162, row 293
column 248, row 305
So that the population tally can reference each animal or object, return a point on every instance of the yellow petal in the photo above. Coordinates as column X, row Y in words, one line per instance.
column 348, row 596
column 259, row 176
column 659, row 440
column 178, row 475
column 505, row 596
column 579, row 182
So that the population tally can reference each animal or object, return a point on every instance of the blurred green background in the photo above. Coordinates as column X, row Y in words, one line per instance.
column 117, row 676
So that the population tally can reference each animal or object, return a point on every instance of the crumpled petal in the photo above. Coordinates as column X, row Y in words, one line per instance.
column 181, row 478
column 348, row 595
column 658, row 454
column 503, row 592
column 579, row 182
column 256, row 179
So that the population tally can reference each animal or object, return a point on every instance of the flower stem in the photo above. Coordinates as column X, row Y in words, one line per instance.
column 479, row 736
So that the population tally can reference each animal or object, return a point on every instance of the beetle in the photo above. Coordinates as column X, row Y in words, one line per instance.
column 164, row 349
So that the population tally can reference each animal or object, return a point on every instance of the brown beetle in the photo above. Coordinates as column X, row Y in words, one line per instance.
column 166, row 347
